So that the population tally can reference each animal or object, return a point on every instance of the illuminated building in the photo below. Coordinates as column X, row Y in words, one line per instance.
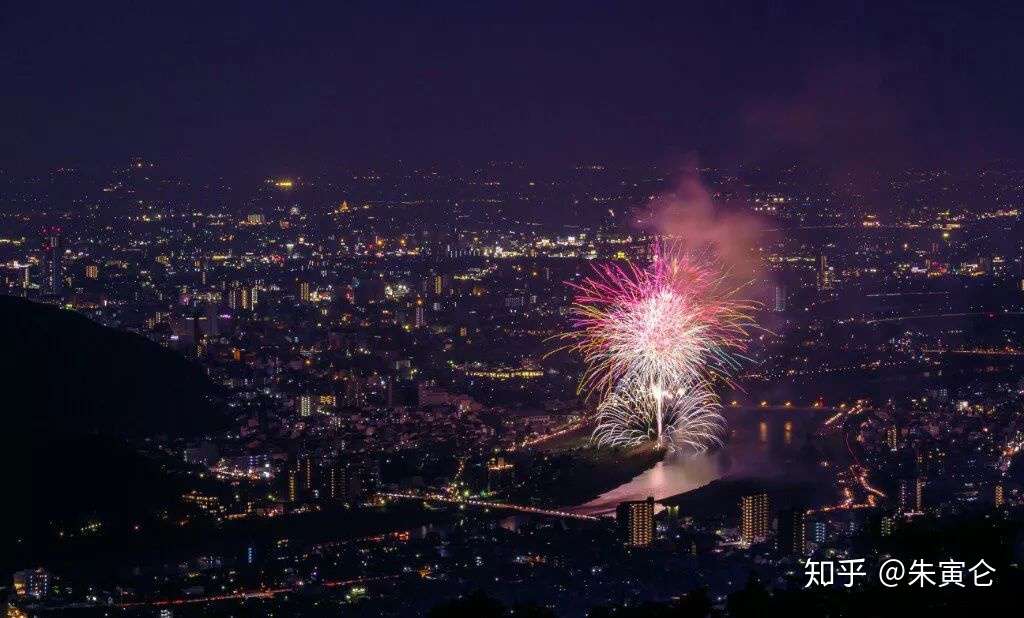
column 92, row 271
column 438, row 284
column 208, row 503
column 33, row 583
column 53, row 259
column 892, row 437
column 819, row 531
column 429, row 394
column 305, row 405
column 824, row 274
column 998, row 498
column 780, row 298
column 755, row 518
column 919, row 485
column 902, row 496
column 306, row 472
column 887, row 524
column 419, row 320
column 249, row 297
column 292, row 488
column 792, row 532
column 304, row 292
column 910, row 495
column 205, row 454
column 344, row 483
column 506, row 373
column 636, row 522
column 15, row 612
column 499, row 474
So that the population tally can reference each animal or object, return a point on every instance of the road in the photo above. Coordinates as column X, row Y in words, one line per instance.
column 504, row 506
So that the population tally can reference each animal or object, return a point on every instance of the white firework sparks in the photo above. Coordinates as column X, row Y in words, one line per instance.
column 674, row 414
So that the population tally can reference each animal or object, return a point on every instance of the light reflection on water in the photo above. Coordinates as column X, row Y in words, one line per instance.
column 755, row 449
column 671, row 476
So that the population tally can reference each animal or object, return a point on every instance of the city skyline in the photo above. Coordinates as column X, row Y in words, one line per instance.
column 706, row 310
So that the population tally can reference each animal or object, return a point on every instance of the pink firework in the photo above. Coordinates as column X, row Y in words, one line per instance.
column 656, row 340
column 674, row 320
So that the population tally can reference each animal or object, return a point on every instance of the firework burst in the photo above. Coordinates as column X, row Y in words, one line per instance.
column 677, row 416
column 658, row 338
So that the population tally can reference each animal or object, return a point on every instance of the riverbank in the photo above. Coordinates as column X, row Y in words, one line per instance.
column 574, row 476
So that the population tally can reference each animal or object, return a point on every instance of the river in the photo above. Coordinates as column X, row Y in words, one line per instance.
column 757, row 447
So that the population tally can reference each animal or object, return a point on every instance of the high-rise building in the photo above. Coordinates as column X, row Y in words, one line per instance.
column 824, row 274
column 755, row 518
column 819, row 531
column 53, row 259
column 792, row 532
column 345, row 482
column 305, row 405
column 438, row 284
column 249, row 296
column 33, row 583
column 292, row 485
column 307, row 470
column 304, row 291
column 998, row 499
column 780, row 298
column 919, row 485
column 636, row 522
column 892, row 436
column 887, row 524
column 904, row 501
column 92, row 271
column 419, row 319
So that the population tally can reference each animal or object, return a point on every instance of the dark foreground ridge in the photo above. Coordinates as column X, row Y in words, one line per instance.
column 76, row 392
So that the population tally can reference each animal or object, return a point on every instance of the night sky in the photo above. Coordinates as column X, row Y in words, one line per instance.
column 280, row 86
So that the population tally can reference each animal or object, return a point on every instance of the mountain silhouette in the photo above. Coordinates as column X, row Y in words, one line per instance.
column 76, row 395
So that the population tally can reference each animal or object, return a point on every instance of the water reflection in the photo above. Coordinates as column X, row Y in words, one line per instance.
column 758, row 446
column 674, row 475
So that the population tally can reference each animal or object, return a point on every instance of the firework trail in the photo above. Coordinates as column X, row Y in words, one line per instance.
column 656, row 341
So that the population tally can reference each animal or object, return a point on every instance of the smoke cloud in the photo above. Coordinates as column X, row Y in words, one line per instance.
column 721, row 227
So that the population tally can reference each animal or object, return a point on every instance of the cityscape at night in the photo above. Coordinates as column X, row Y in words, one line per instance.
column 580, row 310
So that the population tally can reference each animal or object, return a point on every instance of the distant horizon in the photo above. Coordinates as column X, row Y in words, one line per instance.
column 666, row 165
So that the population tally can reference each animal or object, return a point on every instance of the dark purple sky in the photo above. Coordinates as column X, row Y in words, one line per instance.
column 281, row 86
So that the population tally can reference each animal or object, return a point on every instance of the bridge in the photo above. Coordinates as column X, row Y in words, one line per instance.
column 503, row 506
